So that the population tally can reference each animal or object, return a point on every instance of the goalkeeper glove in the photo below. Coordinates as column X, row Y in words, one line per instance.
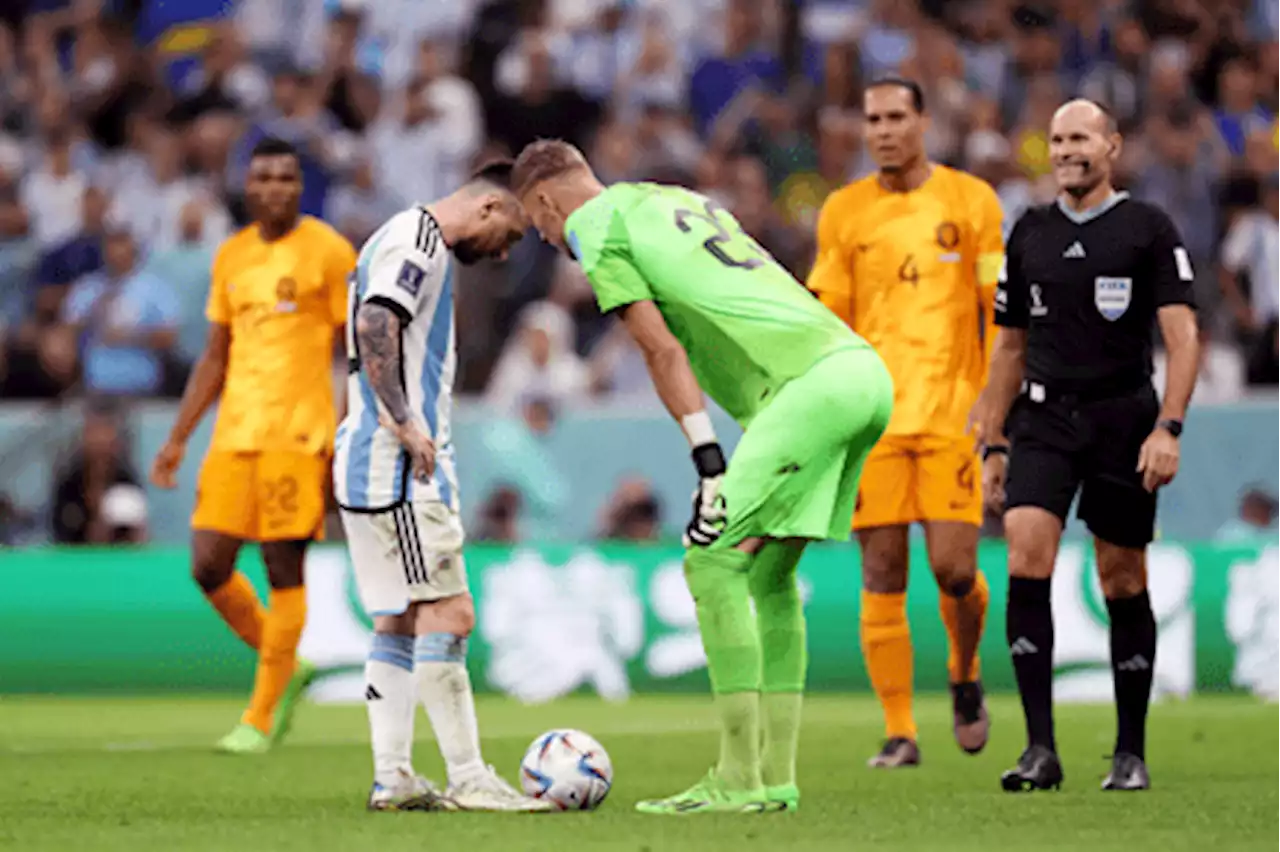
column 708, row 520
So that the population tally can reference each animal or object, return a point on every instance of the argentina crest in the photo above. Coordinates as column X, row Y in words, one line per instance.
column 1112, row 296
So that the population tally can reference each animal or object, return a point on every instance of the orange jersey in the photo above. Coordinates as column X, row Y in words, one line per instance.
column 283, row 301
column 914, row 274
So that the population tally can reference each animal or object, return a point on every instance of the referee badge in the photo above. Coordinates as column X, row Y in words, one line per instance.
column 1112, row 296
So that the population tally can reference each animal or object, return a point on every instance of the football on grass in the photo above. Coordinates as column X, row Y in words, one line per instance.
column 568, row 768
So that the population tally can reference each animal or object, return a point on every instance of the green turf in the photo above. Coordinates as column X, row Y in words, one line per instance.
column 119, row 774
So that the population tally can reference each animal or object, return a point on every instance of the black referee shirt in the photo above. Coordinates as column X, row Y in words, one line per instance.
column 1086, row 286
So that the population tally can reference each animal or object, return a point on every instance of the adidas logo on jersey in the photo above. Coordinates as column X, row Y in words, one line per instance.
column 1074, row 251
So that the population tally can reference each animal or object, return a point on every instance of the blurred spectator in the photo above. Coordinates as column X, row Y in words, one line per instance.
column 499, row 517
column 539, row 355
column 126, row 320
column 745, row 64
column 1256, row 519
column 99, row 464
column 1182, row 179
column 358, row 207
column 515, row 448
column 1250, row 277
column 53, row 193
column 1238, row 112
column 633, row 514
column 151, row 204
column 1118, row 81
column 68, row 262
column 18, row 254
column 297, row 115
column 224, row 82
column 425, row 147
column 17, row 527
column 534, row 104
column 657, row 75
column 186, row 268
column 618, row 368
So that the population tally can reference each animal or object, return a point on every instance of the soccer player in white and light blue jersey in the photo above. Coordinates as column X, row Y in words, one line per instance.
column 397, row 487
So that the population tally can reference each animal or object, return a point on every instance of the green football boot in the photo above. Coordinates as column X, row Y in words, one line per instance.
column 304, row 674
column 710, row 796
column 244, row 739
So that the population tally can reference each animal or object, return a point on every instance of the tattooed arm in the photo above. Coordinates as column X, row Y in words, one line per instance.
column 378, row 326
column 378, row 336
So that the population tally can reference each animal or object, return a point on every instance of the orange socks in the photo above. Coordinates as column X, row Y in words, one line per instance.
column 886, row 647
column 964, row 618
column 237, row 603
column 277, row 657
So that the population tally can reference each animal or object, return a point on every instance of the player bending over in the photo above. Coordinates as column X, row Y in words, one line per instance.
column 710, row 309
column 278, row 293
column 909, row 258
column 397, row 486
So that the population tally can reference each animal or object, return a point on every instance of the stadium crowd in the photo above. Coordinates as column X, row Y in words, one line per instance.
column 121, row 158
column 124, row 137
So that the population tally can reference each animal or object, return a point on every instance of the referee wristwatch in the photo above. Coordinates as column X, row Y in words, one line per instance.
column 995, row 450
column 1173, row 427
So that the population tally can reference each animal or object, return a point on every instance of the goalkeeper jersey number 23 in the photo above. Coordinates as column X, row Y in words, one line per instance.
column 746, row 324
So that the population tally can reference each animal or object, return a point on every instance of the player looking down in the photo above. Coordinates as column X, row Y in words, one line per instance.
column 397, row 486
column 711, row 310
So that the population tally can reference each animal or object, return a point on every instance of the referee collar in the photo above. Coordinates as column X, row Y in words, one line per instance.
column 1082, row 216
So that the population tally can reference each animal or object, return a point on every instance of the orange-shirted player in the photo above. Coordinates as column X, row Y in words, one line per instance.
column 277, row 299
column 909, row 258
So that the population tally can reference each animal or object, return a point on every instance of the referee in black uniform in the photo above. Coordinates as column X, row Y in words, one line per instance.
column 1069, row 409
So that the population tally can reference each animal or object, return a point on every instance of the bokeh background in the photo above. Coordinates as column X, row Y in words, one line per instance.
column 124, row 129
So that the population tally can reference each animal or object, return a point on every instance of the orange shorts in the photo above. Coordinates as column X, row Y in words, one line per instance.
column 267, row 496
column 915, row 478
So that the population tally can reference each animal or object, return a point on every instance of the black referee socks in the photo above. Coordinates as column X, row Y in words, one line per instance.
column 1133, row 659
column 1029, row 631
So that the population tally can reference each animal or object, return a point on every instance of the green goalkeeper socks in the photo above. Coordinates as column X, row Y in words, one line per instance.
column 718, row 582
column 780, row 616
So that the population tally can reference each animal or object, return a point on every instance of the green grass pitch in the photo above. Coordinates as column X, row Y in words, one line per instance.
column 82, row 775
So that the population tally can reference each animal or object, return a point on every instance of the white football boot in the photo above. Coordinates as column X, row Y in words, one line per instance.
column 488, row 792
column 409, row 793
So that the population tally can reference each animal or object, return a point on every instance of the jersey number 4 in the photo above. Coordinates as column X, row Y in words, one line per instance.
column 724, row 244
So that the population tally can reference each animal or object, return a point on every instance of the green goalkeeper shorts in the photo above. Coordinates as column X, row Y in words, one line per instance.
column 795, row 472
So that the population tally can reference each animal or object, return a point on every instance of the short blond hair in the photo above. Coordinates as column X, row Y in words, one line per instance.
column 542, row 160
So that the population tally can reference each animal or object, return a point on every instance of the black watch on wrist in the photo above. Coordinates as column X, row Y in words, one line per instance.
column 995, row 450
column 1173, row 427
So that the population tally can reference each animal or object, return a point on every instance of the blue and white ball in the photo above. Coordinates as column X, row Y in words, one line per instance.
column 568, row 768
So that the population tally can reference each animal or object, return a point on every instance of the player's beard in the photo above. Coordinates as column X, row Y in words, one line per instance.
column 468, row 253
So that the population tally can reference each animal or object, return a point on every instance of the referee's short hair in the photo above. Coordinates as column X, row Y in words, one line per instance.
column 1110, row 124
column 913, row 88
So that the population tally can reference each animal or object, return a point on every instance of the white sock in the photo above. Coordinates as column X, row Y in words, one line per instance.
column 389, row 698
column 445, row 690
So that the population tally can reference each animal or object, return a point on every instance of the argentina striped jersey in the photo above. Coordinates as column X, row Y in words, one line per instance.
column 407, row 267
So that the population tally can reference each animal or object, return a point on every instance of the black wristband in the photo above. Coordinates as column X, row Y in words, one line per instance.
column 1173, row 427
column 709, row 460
column 995, row 450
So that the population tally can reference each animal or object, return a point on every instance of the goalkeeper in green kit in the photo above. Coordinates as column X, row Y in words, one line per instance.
column 712, row 311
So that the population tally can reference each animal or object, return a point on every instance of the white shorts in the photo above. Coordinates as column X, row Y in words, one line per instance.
column 409, row 553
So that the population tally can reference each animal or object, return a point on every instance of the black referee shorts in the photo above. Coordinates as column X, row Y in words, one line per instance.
column 1061, row 445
